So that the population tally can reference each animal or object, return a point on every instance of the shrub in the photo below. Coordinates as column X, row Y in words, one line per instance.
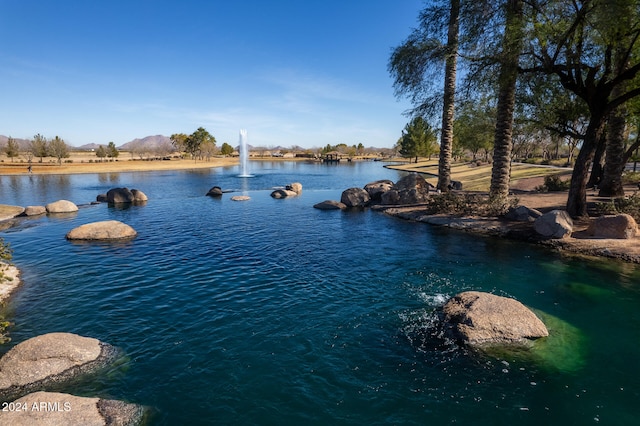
column 629, row 205
column 553, row 183
column 630, row 177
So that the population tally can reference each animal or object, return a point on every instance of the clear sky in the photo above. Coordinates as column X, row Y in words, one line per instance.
column 291, row 72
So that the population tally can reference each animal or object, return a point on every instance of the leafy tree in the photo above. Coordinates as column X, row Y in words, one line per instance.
column 226, row 149
column 475, row 126
column 584, row 46
column 58, row 149
column 112, row 151
column 12, row 150
column 101, row 153
column 39, row 147
column 179, row 141
column 195, row 141
column 418, row 139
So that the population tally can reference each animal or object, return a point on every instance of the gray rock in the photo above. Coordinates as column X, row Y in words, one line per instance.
column 355, row 197
column 554, row 224
column 107, row 230
column 240, row 198
column 50, row 359
column 102, row 198
column 522, row 214
column 119, row 195
column 330, row 205
column 619, row 226
column 216, row 191
column 34, row 210
column 480, row 319
column 377, row 188
column 411, row 189
column 61, row 206
column 53, row 408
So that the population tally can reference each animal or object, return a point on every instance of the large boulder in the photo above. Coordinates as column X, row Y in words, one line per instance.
column 9, row 212
column 215, row 192
column 377, row 188
column 554, row 224
column 480, row 319
column 106, row 230
column 51, row 359
column 124, row 195
column 330, row 205
column 619, row 226
column 411, row 189
column 53, row 408
column 119, row 196
column 61, row 206
column 355, row 197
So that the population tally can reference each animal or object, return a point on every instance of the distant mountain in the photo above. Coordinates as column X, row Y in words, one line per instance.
column 23, row 144
column 89, row 147
column 150, row 142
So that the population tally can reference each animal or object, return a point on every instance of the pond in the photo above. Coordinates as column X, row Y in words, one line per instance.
column 272, row 312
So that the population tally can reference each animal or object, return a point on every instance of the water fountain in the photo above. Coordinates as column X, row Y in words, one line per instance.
column 244, row 154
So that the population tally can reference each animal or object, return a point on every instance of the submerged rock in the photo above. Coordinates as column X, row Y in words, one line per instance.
column 216, row 191
column 51, row 359
column 479, row 319
column 34, row 210
column 106, row 230
column 54, row 408
column 240, row 198
column 330, row 205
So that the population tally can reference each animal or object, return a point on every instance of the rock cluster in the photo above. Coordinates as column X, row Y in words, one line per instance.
column 53, row 359
column 411, row 189
column 290, row 190
column 123, row 196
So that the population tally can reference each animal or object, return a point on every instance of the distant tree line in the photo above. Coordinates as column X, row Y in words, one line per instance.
column 38, row 147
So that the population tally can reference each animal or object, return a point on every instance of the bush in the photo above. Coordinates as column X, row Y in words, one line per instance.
column 629, row 205
column 464, row 204
column 554, row 183
column 630, row 178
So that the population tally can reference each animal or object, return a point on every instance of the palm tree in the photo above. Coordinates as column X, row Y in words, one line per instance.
column 503, row 143
column 448, row 108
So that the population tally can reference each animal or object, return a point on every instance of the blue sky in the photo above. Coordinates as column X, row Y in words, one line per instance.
column 291, row 72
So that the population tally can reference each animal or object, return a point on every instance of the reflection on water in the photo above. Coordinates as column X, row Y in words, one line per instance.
column 272, row 312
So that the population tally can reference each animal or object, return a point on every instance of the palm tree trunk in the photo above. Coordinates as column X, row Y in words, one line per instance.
column 503, row 142
column 446, row 138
